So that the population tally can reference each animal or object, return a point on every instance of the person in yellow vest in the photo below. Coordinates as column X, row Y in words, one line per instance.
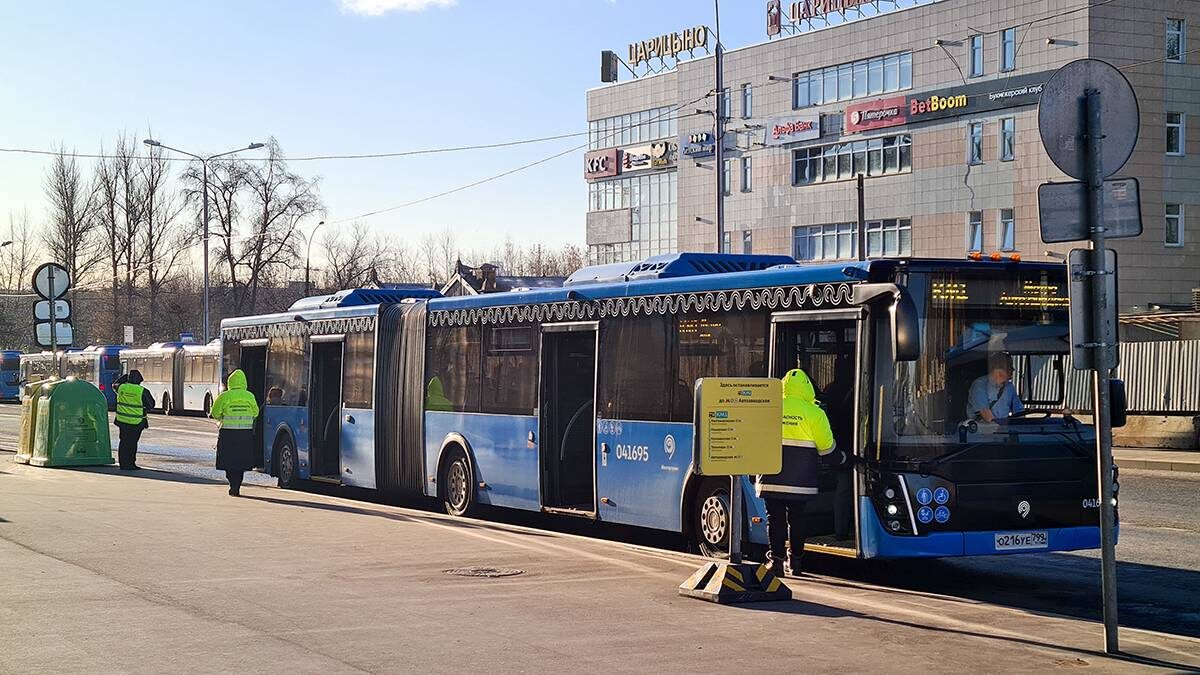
column 806, row 434
column 236, row 409
column 435, row 398
column 132, row 403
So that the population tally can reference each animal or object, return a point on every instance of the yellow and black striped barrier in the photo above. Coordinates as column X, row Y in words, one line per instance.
column 728, row 583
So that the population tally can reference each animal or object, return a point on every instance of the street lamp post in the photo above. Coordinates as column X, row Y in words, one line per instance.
column 204, row 164
column 308, row 256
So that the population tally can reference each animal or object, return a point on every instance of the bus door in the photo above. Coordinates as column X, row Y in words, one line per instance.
column 253, row 362
column 824, row 344
column 567, row 417
column 325, row 408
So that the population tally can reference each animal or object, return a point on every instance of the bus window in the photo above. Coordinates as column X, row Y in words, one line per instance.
column 210, row 369
column 718, row 345
column 509, row 371
column 10, row 363
column 454, row 360
column 111, row 362
column 637, row 373
column 358, row 368
column 286, row 368
column 231, row 354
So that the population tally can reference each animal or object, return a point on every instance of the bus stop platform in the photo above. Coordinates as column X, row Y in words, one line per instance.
column 162, row 572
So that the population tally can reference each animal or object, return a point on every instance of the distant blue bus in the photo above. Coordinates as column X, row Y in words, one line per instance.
column 10, row 375
column 578, row 400
column 98, row 364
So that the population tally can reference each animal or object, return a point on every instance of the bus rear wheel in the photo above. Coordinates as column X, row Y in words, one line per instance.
column 207, row 404
column 458, row 485
column 166, row 404
column 711, row 518
column 287, row 466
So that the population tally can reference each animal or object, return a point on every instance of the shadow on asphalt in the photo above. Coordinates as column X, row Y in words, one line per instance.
column 145, row 474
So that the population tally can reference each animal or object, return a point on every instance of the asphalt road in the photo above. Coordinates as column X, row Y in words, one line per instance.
column 1158, row 554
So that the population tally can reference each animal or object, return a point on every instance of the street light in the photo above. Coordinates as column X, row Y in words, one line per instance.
column 203, row 163
column 308, row 255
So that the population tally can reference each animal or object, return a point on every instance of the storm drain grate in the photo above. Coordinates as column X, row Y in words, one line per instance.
column 489, row 572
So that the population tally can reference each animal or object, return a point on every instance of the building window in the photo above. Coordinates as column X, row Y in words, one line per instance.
column 975, row 143
column 846, row 81
column 631, row 128
column 725, row 104
column 1008, row 49
column 976, row 55
column 1174, row 225
column 1007, row 232
column 747, row 245
column 727, row 177
column 726, row 242
column 747, row 101
column 652, row 199
column 890, row 237
column 1175, row 40
column 747, row 175
column 1176, row 127
column 975, row 231
column 843, row 161
column 1008, row 139
column 837, row 241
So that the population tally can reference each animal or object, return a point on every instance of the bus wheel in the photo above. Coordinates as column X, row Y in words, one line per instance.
column 711, row 518
column 287, row 467
column 207, row 404
column 166, row 404
column 458, row 483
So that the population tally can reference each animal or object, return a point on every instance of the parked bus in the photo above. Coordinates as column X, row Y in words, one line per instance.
column 579, row 400
column 99, row 365
column 181, row 377
column 10, row 375
column 39, row 366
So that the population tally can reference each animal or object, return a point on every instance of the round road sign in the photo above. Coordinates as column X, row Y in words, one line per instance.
column 51, row 281
column 1061, row 117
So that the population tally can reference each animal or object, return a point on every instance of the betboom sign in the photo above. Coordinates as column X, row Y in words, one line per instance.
column 980, row 97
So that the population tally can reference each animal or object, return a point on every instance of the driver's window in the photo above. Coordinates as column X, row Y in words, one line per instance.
column 1040, row 378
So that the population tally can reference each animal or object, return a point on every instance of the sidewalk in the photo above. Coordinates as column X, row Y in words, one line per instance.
column 1187, row 461
column 162, row 572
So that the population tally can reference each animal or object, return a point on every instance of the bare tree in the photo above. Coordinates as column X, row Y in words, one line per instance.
column 160, row 242
column 16, row 266
column 118, row 212
column 70, row 233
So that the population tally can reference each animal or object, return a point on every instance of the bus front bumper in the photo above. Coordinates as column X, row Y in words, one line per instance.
column 878, row 543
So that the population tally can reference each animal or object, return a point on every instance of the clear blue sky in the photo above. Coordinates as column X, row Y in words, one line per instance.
column 326, row 79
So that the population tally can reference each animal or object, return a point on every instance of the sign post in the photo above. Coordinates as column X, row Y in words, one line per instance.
column 1088, row 121
column 50, row 282
column 738, row 433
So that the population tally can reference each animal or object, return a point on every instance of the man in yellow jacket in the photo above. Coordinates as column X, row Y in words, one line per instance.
column 806, row 434
column 236, row 409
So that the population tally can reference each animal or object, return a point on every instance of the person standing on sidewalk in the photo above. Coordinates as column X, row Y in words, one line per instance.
column 806, row 434
column 132, row 403
column 236, row 409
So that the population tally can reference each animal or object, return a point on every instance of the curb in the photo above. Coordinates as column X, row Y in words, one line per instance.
column 1191, row 466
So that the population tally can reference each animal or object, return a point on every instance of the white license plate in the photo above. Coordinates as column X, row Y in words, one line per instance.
column 1015, row 541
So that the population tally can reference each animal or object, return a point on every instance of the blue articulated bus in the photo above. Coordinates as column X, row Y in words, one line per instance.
column 97, row 364
column 10, row 375
column 578, row 400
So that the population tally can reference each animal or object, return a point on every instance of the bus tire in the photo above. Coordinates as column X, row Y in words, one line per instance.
column 166, row 404
column 710, row 518
column 207, row 404
column 287, row 464
column 458, row 484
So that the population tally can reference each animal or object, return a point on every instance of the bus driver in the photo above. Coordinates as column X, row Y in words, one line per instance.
column 993, row 398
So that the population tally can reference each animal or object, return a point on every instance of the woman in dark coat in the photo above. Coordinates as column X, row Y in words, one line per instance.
column 236, row 410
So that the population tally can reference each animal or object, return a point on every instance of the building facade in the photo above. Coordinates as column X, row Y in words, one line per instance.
column 935, row 105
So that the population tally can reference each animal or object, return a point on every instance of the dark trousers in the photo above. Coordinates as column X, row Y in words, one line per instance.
column 785, row 525
column 235, row 479
column 127, row 447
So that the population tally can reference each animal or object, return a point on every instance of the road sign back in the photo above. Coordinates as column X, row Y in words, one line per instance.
column 1063, row 208
column 51, row 281
column 1083, row 330
column 1062, row 111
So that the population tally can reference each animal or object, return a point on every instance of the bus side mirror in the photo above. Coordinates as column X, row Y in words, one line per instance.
column 1118, row 403
column 906, row 329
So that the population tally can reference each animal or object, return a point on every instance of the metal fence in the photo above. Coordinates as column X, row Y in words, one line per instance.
column 1161, row 378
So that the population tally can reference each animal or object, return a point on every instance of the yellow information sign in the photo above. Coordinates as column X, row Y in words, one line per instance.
column 738, row 426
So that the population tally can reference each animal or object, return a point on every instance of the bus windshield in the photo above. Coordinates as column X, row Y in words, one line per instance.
column 993, row 348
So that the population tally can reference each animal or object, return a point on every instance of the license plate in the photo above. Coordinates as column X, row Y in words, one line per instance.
column 1015, row 541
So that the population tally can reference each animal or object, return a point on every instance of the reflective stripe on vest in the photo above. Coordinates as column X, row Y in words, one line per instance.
column 237, row 422
column 129, row 404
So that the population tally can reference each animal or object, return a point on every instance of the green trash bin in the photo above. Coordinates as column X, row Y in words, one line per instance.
column 31, row 398
column 71, row 426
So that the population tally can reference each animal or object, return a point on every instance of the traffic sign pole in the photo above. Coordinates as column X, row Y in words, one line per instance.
column 1103, row 349
column 53, row 332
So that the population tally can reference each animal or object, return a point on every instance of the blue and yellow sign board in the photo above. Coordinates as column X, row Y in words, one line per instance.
column 738, row 426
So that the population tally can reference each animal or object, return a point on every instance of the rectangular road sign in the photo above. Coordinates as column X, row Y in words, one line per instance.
column 739, row 428
column 128, row 335
column 64, row 335
column 41, row 310
column 1062, row 210
column 1082, row 324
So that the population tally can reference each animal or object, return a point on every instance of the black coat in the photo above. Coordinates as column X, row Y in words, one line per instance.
column 235, row 449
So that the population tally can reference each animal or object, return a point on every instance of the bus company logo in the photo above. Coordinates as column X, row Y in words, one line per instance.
column 936, row 103
column 746, row 392
column 669, row 446
column 1023, row 509
column 719, row 414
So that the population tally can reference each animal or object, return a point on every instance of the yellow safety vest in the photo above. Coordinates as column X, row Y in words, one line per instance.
column 129, row 404
column 236, row 407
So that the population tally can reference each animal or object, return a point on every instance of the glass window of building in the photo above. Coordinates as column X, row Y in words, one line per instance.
column 726, row 242
column 890, row 237
column 1008, row 139
column 1175, row 133
column 975, row 143
column 640, row 127
column 747, row 101
column 725, row 104
column 1008, row 49
column 747, row 175
column 975, row 231
column 836, row 241
column 975, row 57
column 882, row 74
column 747, row 244
column 1006, row 234
column 727, row 176
column 652, row 200
column 1175, row 40
column 1173, row 235
column 843, row 161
